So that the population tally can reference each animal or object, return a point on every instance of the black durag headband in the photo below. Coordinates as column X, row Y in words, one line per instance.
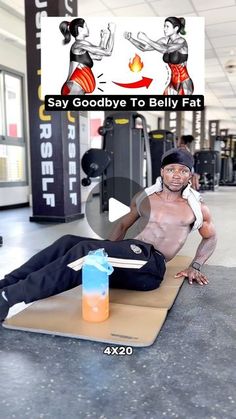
column 177, row 155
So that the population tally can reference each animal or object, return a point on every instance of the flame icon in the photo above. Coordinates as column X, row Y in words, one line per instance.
column 136, row 64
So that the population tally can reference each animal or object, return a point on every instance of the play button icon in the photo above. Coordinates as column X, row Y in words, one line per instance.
column 116, row 210
column 108, row 201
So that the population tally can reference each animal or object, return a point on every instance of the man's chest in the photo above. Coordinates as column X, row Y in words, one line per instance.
column 167, row 213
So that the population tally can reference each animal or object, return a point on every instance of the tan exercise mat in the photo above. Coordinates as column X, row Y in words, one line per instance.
column 160, row 297
column 135, row 317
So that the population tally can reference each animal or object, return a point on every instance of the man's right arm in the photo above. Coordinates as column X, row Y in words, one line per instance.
column 118, row 233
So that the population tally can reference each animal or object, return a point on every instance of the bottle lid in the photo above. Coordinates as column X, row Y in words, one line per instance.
column 98, row 259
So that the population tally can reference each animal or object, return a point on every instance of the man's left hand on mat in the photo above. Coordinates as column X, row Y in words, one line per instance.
column 193, row 275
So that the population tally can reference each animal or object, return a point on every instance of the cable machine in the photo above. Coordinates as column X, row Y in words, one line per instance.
column 125, row 138
column 125, row 155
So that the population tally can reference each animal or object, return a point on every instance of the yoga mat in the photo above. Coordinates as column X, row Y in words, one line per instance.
column 135, row 317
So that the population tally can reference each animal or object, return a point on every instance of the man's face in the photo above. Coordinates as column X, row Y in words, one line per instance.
column 175, row 176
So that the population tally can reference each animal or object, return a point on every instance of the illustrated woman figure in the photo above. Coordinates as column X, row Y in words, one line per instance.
column 82, row 53
column 175, row 53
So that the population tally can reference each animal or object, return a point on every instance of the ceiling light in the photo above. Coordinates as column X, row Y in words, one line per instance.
column 230, row 65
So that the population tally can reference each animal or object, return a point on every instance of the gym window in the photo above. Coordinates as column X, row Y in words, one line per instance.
column 12, row 141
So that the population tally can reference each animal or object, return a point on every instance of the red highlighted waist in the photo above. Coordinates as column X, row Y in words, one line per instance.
column 179, row 73
column 84, row 78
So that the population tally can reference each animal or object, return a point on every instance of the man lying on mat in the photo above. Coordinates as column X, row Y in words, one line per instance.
column 166, row 213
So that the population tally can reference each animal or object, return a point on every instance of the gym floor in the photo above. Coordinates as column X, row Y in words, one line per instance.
column 189, row 372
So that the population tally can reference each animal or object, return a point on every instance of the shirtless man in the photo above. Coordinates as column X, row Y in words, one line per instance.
column 170, row 217
column 170, row 209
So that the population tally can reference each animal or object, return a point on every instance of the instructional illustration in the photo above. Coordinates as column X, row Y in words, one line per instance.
column 81, row 79
column 175, row 53
column 123, row 56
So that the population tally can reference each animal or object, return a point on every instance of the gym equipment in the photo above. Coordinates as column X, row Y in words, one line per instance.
column 207, row 165
column 226, row 174
column 234, row 170
column 94, row 162
column 125, row 137
column 125, row 151
column 226, row 144
column 136, row 317
column 160, row 141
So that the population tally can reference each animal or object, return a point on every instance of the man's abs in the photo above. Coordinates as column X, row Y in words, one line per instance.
column 167, row 239
column 165, row 224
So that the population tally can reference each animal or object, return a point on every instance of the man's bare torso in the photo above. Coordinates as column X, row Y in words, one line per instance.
column 168, row 223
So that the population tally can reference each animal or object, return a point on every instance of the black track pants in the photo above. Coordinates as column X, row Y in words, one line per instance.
column 137, row 266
